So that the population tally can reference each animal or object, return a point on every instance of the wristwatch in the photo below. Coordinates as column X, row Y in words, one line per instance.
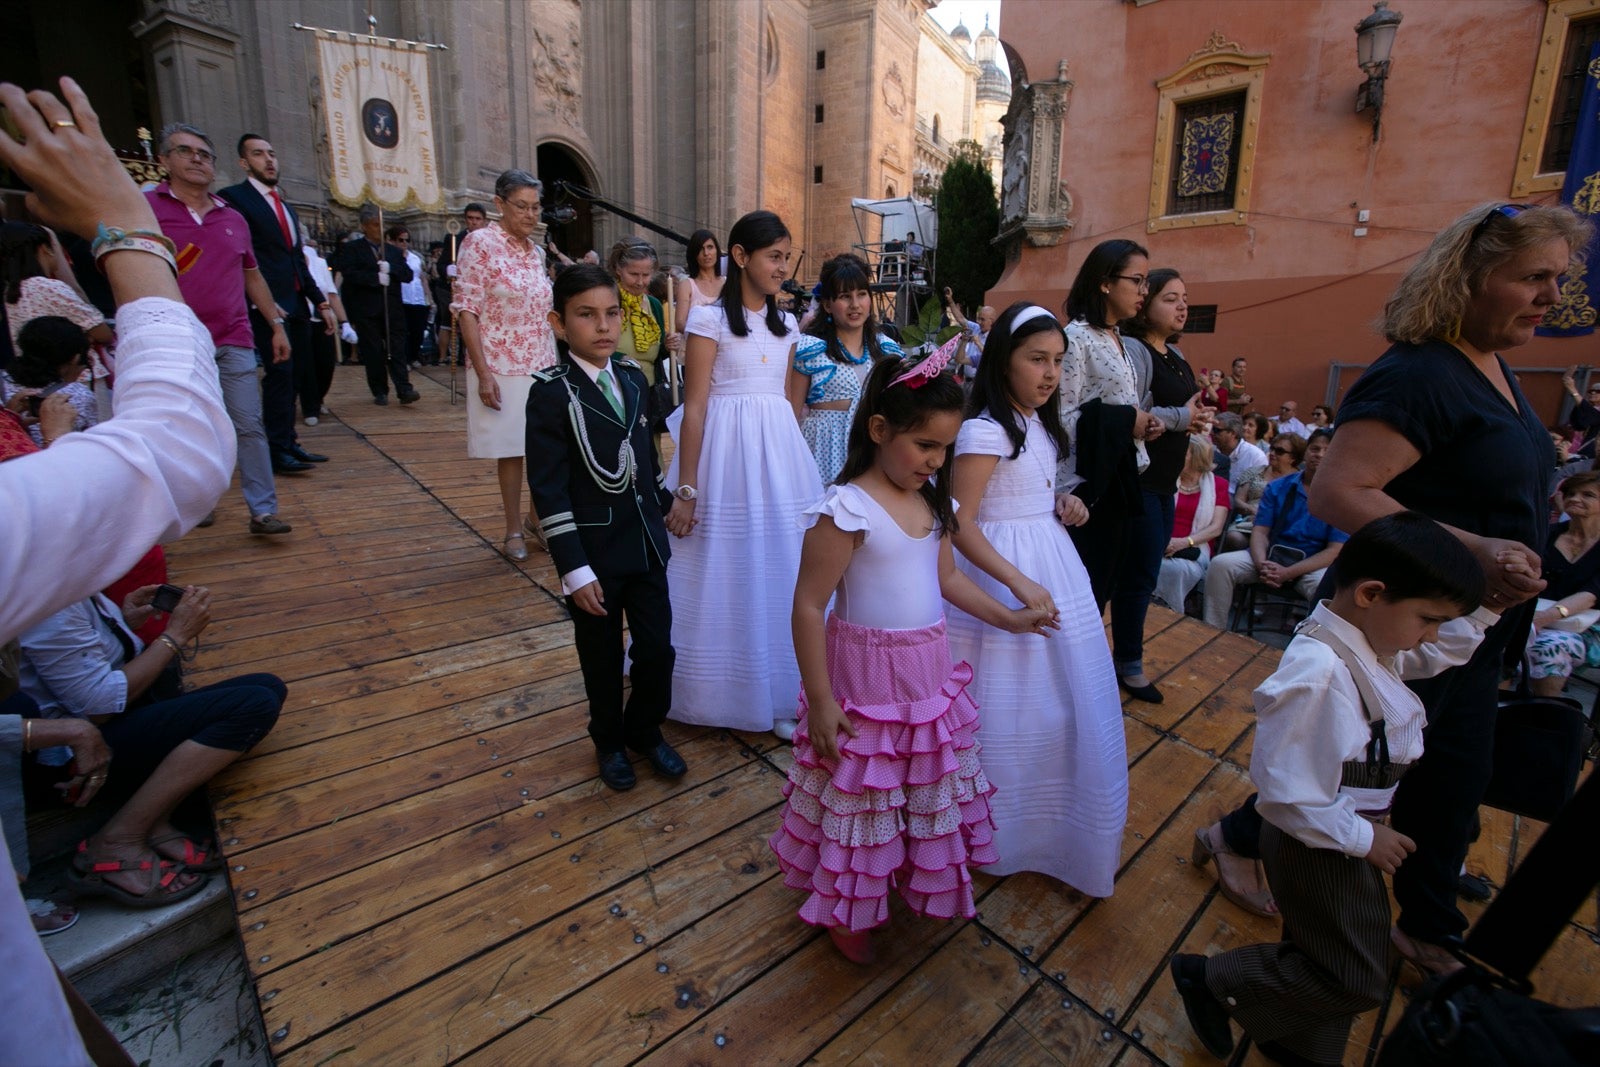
column 1562, row 610
column 685, row 492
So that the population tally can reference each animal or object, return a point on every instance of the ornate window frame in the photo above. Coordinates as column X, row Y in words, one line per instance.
column 1219, row 67
column 1541, row 97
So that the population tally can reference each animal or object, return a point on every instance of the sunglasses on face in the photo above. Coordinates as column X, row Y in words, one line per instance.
column 1283, row 451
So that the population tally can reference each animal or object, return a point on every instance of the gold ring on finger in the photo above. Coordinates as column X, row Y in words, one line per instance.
column 66, row 124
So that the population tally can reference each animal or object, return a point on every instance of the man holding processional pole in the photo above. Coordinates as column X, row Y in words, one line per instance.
column 376, row 101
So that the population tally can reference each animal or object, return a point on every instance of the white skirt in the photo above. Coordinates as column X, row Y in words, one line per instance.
column 1050, row 718
column 732, row 580
column 499, row 434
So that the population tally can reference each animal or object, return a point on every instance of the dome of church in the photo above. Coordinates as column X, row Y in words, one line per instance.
column 961, row 33
column 993, row 82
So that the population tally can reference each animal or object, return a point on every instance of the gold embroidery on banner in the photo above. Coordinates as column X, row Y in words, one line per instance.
column 1207, row 146
column 1575, row 311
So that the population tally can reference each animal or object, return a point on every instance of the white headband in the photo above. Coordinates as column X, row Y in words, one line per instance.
column 1028, row 314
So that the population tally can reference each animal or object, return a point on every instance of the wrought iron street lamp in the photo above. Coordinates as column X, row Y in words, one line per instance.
column 1374, row 42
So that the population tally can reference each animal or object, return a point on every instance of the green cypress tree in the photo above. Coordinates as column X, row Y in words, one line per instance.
column 968, row 261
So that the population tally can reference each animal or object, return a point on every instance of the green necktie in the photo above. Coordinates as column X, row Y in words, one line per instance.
column 610, row 393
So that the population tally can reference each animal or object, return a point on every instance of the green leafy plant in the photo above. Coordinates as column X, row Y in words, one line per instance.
column 926, row 332
column 968, row 261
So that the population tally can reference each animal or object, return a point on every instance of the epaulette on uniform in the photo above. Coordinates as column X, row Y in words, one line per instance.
column 626, row 362
column 550, row 374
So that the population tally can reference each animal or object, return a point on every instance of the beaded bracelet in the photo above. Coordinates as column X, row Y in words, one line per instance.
column 109, row 239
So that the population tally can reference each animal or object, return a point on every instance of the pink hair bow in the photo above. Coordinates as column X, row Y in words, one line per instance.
column 929, row 368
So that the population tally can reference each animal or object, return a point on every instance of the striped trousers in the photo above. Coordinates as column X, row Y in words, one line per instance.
column 1305, row 991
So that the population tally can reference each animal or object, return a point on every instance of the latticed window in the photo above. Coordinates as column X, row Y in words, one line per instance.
column 1205, row 154
column 1582, row 35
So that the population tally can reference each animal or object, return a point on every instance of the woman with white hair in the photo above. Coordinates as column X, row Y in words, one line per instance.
column 502, row 303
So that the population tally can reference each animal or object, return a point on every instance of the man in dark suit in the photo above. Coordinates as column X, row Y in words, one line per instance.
column 602, row 515
column 276, row 237
column 370, row 274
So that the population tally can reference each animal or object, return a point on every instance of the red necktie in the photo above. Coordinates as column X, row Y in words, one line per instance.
column 283, row 219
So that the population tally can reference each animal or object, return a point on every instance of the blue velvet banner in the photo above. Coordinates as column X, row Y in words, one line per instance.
column 1575, row 315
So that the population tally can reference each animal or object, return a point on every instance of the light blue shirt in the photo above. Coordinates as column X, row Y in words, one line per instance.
column 72, row 665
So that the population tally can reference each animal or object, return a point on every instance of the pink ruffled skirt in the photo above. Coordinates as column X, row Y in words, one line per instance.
column 907, row 802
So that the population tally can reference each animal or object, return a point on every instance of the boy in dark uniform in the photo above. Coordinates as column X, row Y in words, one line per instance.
column 595, row 480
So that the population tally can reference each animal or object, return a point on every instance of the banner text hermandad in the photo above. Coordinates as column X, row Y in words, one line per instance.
column 376, row 98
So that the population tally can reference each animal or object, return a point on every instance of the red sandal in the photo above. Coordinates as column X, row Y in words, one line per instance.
column 196, row 856
column 855, row 947
column 88, row 878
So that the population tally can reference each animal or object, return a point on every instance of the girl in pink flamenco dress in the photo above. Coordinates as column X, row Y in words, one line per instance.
column 886, row 788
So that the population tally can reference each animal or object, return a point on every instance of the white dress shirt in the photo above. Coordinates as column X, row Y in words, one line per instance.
column 416, row 290
column 1243, row 459
column 1310, row 720
column 1292, row 426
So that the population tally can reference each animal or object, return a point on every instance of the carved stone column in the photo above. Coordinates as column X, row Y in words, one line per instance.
column 1034, row 202
column 192, row 46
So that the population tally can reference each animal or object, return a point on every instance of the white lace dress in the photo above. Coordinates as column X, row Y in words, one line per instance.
column 1051, row 718
column 732, row 579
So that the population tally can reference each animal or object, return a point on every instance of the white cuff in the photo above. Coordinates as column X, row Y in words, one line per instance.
column 573, row 581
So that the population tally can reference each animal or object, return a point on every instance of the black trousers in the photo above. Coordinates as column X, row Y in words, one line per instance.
column 416, row 325
column 325, row 357
column 384, row 362
column 1439, row 811
column 280, row 384
column 1103, row 544
column 643, row 599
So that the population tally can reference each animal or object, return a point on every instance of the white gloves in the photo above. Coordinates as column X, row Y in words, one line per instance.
column 383, row 274
column 348, row 332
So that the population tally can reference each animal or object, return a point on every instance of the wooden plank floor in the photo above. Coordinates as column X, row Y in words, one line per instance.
column 427, row 871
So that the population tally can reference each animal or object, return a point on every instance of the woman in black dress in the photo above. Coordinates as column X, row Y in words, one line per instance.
column 1439, row 425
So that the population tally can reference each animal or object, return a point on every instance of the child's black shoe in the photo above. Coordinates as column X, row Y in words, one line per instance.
column 1207, row 1017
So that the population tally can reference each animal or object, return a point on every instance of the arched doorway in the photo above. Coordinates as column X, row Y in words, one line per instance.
column 557, row 163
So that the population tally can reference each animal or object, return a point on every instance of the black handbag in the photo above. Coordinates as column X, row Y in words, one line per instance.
column 1539, row 745
column 1485, row 1015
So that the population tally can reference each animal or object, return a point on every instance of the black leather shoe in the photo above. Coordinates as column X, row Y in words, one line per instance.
column 616, row 771
column 286, row 463
column 410, row 396
column 1207, row 1017
column 307, row 457
column 1473, row 887
column 382, row 400
column 666, row 761
column 1147, row 693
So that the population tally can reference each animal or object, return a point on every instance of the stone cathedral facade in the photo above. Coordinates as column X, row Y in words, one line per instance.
column 686, row 112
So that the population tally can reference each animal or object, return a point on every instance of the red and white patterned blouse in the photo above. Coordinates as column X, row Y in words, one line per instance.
column 501, row 279
column 42, row 296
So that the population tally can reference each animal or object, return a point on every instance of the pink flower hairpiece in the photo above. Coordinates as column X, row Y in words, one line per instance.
column 931, row 367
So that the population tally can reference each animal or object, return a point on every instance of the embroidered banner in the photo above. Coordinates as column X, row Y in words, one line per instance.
column 1207, row 152
column 380, row 123
column 1575, row 315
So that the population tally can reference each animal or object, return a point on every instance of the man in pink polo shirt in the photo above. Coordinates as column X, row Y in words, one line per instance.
column 216, row 271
